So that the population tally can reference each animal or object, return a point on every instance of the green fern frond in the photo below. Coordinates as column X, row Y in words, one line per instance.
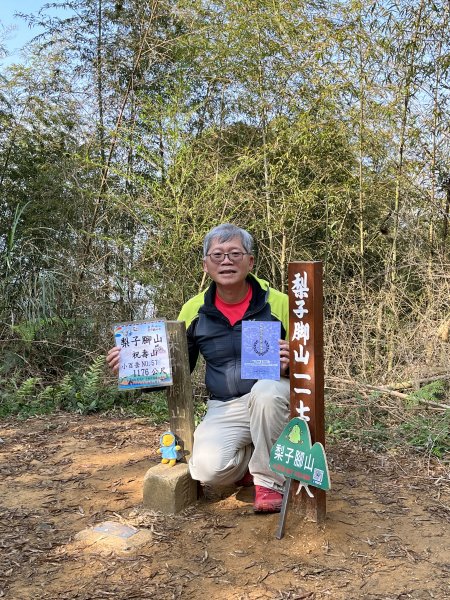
column 27, row 389
column 433, row 392
column 46, row 395
column 93, row 378
column 64, row 389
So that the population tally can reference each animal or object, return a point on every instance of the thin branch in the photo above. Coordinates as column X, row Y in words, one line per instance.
column 386, row 390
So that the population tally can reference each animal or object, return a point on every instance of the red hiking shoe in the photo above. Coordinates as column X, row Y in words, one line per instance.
column 246, row 480
column 267, row 500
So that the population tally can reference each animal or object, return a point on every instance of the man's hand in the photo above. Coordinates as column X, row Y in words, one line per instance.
column 113, row 358
column 284, row 358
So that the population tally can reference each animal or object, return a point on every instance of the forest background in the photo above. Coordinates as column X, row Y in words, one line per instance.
column 132, row 127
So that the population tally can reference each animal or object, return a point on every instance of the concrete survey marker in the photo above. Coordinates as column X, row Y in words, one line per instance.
column 115, row 529
column 111, row 536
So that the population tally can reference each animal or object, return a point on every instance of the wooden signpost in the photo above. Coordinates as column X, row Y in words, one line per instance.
column 179, row 395
column 306, row 375
column 171, row 489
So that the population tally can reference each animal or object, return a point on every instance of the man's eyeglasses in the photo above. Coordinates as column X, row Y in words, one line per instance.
column 218, row 257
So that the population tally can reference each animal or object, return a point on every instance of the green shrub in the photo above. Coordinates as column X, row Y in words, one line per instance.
column 363, row 421
column 432, row 392
column 83, row 392
column 427, row 432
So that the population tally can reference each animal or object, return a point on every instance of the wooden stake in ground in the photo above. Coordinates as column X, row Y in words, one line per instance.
column 179, row 395
column 306, row 368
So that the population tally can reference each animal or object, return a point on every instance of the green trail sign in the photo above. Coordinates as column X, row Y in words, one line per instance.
column 295, row 457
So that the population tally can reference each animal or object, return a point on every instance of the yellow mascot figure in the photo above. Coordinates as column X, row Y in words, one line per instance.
column 169, row 449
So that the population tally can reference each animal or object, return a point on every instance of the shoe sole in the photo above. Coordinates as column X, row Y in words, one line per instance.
column 267, row 509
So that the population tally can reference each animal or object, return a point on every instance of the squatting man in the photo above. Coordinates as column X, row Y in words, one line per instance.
column 244, row 417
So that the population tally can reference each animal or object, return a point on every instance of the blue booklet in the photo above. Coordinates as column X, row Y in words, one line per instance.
column 260, row 358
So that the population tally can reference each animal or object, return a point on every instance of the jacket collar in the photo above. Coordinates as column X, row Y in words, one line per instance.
column 260, row 289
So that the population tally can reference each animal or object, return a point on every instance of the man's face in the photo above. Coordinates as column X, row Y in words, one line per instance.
column 228, row 272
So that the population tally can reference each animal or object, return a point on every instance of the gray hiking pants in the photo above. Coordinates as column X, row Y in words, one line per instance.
column 240, row 433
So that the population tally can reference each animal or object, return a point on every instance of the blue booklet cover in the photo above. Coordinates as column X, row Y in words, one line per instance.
column 260, row 358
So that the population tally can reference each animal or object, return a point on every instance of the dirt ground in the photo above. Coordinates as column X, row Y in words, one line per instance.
column 386, row 535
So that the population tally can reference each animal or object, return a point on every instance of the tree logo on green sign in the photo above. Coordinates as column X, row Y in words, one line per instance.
column 295, row 436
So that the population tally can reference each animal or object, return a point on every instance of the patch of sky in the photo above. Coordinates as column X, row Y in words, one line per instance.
column 15, row 31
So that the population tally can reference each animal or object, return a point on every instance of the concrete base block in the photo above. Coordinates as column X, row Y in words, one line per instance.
column 169, row 489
